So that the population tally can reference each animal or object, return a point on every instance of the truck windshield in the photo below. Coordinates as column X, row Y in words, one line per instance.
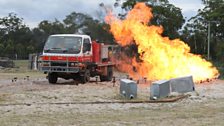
column 63, row 44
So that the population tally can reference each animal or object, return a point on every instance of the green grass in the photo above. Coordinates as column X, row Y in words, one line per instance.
column 22, row 64
column 20, row 70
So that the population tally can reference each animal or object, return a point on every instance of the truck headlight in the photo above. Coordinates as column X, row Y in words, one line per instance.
column 72, row 64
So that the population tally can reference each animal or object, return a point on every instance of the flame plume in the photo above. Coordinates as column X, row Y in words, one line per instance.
column 161, row 57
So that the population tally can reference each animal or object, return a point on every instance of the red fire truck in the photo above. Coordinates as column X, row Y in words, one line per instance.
column 72, row 56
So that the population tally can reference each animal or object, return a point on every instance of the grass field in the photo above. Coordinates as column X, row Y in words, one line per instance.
column 20, row 70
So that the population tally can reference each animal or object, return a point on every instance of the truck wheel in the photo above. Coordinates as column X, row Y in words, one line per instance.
column 52, row 78
column 86, row 77
column 109, row 75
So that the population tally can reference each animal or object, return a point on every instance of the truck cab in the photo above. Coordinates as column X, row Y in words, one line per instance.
column 68, row 45
column 72, row 56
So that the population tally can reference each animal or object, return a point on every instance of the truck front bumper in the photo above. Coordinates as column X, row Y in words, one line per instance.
column 56, row 66
column 60, row 69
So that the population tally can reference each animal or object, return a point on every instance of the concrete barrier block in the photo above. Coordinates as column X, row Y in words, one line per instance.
column 128, row 88
column 159, row 89
column 182, row 84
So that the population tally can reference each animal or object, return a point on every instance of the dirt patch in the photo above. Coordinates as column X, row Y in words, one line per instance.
column 203, row 107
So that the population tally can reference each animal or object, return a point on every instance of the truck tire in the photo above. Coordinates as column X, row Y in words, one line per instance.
column 85, row 77
column 52, row 78
column 109, row 75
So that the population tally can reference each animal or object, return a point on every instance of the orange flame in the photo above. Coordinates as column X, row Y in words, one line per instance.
column 161, row 57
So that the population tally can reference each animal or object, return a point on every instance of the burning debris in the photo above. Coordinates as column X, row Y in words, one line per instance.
column 161, row 58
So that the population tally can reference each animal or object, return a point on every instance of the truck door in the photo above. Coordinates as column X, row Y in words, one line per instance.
column 87, row 50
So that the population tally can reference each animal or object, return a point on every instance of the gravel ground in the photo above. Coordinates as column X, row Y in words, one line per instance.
column 28, row 102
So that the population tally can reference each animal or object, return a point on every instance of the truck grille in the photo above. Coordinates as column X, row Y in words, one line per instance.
column 58, row 64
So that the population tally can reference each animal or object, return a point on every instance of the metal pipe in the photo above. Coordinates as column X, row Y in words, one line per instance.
column 105, row 102
column 209, row 36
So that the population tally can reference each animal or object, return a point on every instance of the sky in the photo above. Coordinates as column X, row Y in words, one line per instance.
column 35, row 11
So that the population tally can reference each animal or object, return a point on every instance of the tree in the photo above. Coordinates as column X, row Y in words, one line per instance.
column 13, row 32
column 75, row 21
column 11, row 23
column 38, row 39
column 81, row 23
column 49, row 28
column 211, row 14
column 99, row 31
column 44, row 29
column 17, row 39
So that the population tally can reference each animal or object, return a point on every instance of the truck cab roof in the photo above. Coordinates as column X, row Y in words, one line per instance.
column 75, row 35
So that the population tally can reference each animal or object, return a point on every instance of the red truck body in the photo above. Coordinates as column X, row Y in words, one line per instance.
column 79, row 59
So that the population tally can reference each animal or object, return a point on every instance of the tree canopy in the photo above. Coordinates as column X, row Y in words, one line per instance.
column 16, row 38
column 196, row 31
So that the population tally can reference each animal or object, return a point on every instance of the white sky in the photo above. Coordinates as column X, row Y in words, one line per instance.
column 189, row 7
column 35, row 11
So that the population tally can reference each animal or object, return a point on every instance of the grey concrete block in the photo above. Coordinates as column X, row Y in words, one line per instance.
column 159, row 89
column 182, row 84
column 128, row 88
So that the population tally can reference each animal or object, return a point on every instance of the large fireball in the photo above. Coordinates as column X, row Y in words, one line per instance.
column 161, row 57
